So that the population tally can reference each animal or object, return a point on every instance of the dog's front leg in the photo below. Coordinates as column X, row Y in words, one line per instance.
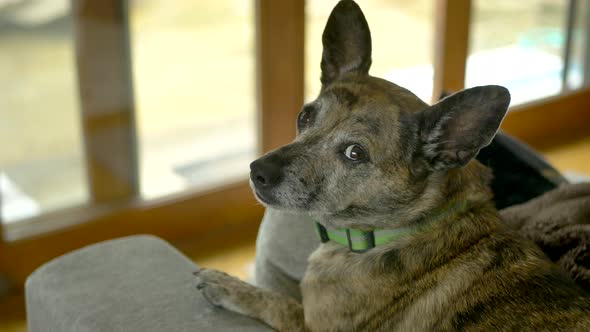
column 279, row 311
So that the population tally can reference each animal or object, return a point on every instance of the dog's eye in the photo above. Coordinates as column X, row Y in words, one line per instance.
column 355, row 153
column 304, row 118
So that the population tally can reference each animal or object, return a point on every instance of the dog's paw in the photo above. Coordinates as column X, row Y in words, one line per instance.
column 221, row 289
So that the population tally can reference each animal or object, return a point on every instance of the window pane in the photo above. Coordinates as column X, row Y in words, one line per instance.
column 41, row 154
column 518, row 44
column 402, row 34
column 195, row 92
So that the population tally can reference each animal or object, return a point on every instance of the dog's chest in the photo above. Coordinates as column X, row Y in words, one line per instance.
column 339, row 293
column 346, row 291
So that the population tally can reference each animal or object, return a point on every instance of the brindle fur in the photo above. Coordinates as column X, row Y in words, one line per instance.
column 462, row 271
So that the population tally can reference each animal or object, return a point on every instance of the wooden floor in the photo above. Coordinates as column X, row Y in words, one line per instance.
column 574, row 156
column 571, row 157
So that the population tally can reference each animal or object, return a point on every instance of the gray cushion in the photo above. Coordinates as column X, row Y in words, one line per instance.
column 285, row 241
column 138, row 283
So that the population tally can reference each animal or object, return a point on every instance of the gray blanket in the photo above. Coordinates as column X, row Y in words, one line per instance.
column 559, row 223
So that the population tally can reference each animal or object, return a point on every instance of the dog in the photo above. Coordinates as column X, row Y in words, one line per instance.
column 411, row 238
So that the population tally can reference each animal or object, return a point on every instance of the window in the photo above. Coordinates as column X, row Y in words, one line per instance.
column 193, row 65
column 520, row 45
column 195, row 103
column 41, row 146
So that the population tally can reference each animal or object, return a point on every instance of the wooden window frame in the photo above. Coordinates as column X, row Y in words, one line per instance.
column 103, row 58
column 176, row 217
column 280, row 80
column 541, row 123
column 451, row 38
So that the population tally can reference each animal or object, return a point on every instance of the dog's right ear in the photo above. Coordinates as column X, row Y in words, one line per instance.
column 346, row 41
column 454, row 130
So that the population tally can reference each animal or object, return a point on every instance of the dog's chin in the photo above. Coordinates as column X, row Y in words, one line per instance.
column 270, row 201
column 275, row 205
column 265, row 199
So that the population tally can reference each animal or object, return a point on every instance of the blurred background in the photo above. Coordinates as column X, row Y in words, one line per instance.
column 123, row 117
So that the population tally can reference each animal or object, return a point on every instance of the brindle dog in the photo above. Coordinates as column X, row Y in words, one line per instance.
column 370, row 154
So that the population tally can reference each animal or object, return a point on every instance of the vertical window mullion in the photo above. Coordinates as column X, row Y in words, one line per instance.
column 451, row 45
column 567, row 48
column 106, row 98
column 586, row 52
column 280, row 53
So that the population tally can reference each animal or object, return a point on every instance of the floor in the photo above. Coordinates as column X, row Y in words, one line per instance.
column 573, row 157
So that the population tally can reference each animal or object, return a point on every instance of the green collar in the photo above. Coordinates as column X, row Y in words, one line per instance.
column 361, row 241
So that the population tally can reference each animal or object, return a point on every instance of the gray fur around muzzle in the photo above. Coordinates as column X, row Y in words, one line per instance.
column 284, row 178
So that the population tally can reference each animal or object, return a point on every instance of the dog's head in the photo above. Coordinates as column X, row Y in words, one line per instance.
column 366, row 147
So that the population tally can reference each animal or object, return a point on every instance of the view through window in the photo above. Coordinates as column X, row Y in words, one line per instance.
column 520, row 45
column 195, row 92
column 41, row 153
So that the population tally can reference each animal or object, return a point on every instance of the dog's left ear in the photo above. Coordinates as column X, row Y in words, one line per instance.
column 347, row 42
column 454, row 130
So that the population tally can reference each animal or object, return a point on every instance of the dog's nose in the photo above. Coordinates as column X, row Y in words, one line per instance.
column 265, row 173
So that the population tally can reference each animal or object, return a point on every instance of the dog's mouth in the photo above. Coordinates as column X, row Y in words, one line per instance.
column 260, row 197
column 265, row 198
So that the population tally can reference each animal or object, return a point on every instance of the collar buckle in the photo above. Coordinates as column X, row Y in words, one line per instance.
column 369, row 242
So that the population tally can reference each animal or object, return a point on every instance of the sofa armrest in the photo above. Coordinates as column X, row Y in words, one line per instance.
column 138, row 283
